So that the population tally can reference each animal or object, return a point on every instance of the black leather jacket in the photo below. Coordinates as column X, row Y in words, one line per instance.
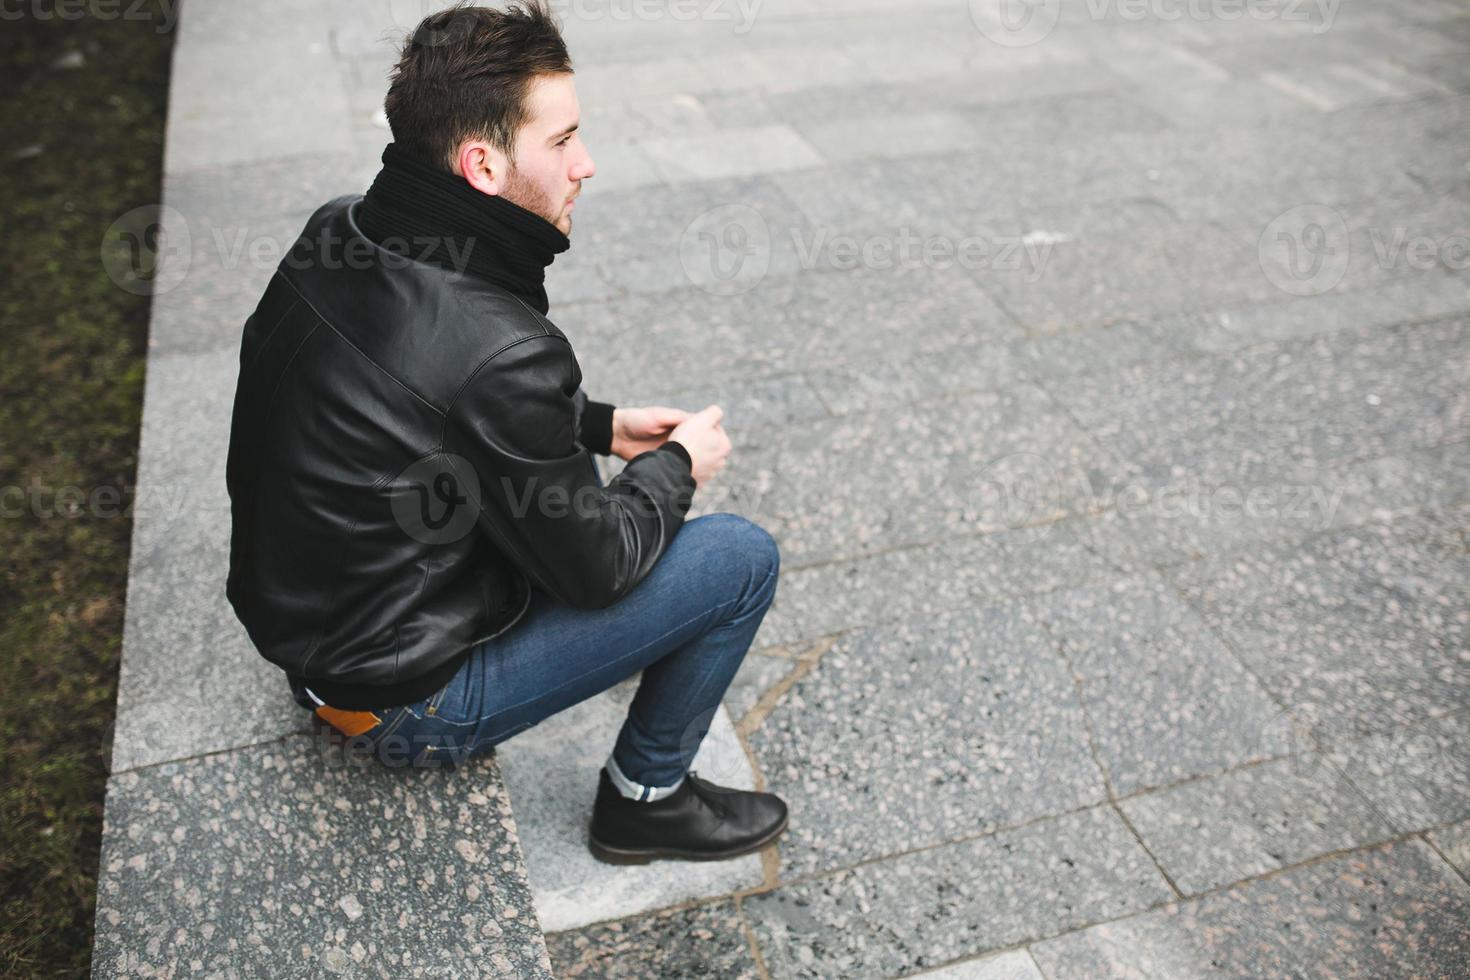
column 405, row 465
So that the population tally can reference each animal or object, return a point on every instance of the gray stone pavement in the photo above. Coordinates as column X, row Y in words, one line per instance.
column 1104, row 374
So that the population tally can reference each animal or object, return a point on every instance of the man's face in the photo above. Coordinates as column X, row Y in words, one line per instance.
column 551, row 160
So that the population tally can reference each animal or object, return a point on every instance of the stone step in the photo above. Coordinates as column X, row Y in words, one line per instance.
column 293, row 859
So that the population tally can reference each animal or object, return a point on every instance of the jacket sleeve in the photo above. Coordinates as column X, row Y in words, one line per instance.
column 513, row 428
column 593, row 423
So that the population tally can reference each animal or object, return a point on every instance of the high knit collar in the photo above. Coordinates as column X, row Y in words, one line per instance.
column 432, row 215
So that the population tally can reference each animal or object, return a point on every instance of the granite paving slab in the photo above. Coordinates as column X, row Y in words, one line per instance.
column 1396, row 910
column 822, row 318
column 1187, row 519
column 1272, row 412
column 736, row 152
column 1279, row 321
column 702, row 941
column 934, row 906
column 861, row 484
column 956, row 572
column 758, row 673
column 1165, row 698
column 1361, row 630
column 928, row 730
column 982, row 82
column 1156, row 268
column 551, row 777
column 723, row 236
column 1221, row 829
column 226, row 100
column 293, row 859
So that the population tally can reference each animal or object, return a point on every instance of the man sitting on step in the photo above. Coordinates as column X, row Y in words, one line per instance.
column 420, row 536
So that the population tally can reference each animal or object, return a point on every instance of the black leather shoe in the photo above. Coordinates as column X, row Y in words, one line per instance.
column 699, row 821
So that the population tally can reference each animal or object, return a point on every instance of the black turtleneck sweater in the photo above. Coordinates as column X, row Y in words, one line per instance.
column 482, row 235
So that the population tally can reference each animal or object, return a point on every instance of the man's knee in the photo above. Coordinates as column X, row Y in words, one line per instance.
column 753, row 544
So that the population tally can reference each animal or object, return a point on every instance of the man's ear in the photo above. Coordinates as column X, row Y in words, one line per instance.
column 480, row 166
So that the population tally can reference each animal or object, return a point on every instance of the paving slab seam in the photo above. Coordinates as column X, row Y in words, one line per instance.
column 750, row 941
column 1426, row 510
column 1265, row 876
column 284, row 737
column 1374, row 808
column 833, row 872
column 816, row 391
column 1021, row 947
column 1158, row 865
column 1079, row 690
column 684, row 906
column 1424, row 836
column 1220, row 636
column 784, row 651
column 1200, row 354
column 923, row 543
column 1321, row 752
column 1172, row 902
column 1379, row 733
column 1026, row 944
column 1091, row 729
column 771, row 697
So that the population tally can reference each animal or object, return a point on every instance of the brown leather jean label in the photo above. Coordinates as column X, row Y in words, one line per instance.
column 349, row 723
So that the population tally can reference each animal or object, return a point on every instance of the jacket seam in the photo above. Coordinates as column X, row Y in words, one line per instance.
column 360, row 352
column 270, row 400
column 449, row 409
column 265, row 342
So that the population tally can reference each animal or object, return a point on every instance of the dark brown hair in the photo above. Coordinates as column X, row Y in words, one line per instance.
column 464, row 73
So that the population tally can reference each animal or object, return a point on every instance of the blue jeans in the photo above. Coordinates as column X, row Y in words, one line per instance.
column 686, row 626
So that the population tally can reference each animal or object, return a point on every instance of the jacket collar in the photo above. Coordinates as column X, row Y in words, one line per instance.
column 432, row 215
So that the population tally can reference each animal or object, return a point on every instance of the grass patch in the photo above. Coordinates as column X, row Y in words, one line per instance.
column 83, row 144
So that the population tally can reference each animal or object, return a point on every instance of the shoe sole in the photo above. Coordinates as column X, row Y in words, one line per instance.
column 619, row 855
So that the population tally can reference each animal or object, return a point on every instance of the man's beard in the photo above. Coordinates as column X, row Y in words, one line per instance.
column 525, row 193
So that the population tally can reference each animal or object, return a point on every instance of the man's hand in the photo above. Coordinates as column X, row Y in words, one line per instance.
column 637, row 430
column 704, row 438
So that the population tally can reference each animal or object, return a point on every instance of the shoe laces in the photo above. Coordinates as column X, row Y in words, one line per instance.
column 714, row 796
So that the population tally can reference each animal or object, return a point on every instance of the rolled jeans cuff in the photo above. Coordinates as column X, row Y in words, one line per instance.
column 637, row 791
